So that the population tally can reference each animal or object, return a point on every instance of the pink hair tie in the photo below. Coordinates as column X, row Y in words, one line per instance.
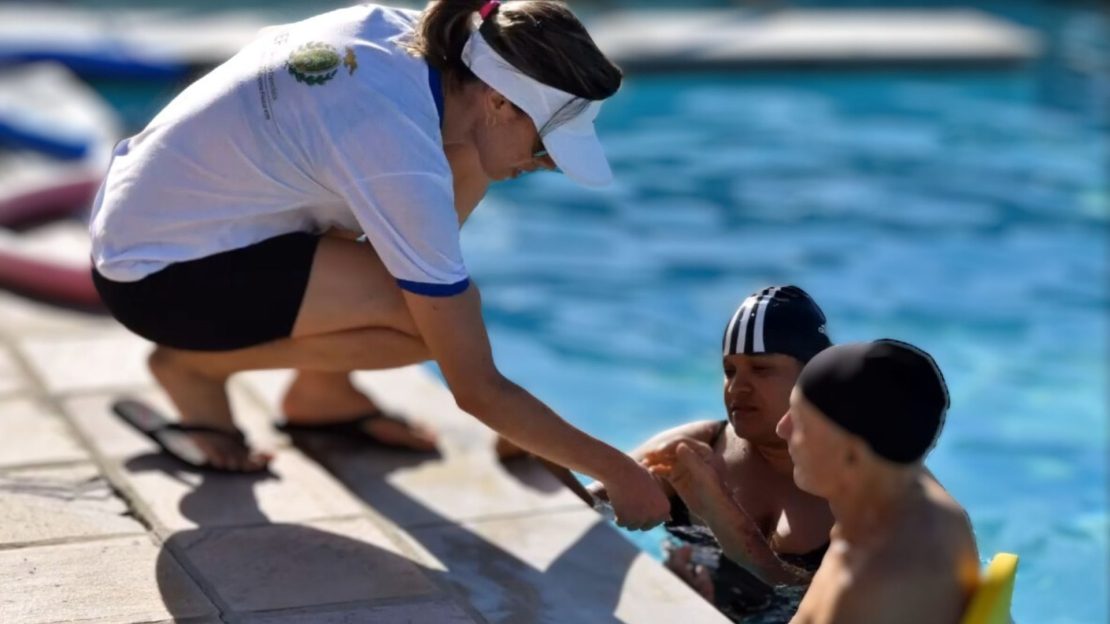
column 487, row 9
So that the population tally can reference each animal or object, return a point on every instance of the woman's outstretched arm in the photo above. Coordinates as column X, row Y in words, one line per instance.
column 454, row 332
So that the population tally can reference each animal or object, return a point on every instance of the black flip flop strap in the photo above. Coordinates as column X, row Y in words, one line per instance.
column 233, row 434
column 355, row 423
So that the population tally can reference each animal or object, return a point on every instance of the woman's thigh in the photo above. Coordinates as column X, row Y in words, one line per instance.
column 349, row 288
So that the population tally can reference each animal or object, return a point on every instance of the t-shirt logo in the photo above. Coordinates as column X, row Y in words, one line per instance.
column 316, row 63
column 350, row 62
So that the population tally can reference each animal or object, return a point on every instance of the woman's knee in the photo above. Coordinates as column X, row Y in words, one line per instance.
column 165, row 362
column 163, row 358
column 350, row 288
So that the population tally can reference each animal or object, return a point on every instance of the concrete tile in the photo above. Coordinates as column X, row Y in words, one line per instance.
column 113, row 580
column 298, row 490
column 412, row 392
column 55, row 503
column 73, row 364
column 106, row 434
column 415, row 490
column 464, row 482
column 555, row 568
column 173, row 498
column 430, row 611
column 283, row 566
column 32, row 433
column 415, row 392
column 12, row 378
column 22, row 318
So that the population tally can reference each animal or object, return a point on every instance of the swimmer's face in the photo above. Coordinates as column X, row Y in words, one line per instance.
column 816, row 446
column 757, row 393
column 507, row 141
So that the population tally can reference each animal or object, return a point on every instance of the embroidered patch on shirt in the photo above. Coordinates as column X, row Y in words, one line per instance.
column 315, row 63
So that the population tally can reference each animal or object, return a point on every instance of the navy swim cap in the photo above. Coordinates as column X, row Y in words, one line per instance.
column 887, row 392
column 778, row 319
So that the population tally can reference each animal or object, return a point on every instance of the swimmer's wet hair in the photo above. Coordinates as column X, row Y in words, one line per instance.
column 888, row 392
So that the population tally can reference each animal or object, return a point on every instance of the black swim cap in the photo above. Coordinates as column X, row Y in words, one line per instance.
column 779, row 319
column 887, row 392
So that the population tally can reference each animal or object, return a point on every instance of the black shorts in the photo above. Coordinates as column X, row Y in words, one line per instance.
column 230, row 300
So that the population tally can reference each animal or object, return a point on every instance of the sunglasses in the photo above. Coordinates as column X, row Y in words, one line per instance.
column 538, row 150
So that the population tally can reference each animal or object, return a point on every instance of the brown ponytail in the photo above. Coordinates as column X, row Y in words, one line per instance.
column 441, row 34
column 541, row 38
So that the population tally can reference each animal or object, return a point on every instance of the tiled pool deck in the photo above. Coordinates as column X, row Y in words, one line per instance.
column 95, row 526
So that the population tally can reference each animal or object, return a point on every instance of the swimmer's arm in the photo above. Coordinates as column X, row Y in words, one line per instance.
column 743, row 542
column 702, row 430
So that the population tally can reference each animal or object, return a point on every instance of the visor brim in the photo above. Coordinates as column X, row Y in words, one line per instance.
column 579, row 156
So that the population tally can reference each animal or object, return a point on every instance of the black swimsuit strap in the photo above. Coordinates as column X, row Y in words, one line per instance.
column 808, row 561
column 720, row 432
column 680, row 514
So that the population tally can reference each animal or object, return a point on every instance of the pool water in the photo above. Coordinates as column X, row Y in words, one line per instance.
column 965, row 212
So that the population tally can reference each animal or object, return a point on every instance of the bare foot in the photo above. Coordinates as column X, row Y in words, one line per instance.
column 316, row 398
column 201, row 400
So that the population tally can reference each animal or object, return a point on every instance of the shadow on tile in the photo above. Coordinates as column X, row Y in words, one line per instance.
column 549, row 566
column 261, row 566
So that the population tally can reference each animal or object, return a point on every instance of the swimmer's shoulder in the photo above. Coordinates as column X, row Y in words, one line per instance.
column 703, row 430
column 956, row 539
column 926, row 570
column 709, row 431
column 951, row 521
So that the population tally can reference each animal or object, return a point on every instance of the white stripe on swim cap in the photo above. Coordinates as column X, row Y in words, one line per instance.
column 745, row 315
column 760, row 316
column 730, row 344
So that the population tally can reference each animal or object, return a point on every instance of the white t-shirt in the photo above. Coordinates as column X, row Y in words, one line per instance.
column 317, row 124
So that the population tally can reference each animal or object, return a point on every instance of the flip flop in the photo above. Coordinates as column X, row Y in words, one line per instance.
column 352, row 429
column 173, row 437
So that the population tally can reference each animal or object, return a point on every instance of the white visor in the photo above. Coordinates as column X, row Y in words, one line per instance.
column 571, row 143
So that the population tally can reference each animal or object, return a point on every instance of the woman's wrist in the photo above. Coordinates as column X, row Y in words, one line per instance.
column 609, row 464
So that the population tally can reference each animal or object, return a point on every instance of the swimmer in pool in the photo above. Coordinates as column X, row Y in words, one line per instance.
column 862, row 418
column 736, row 488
